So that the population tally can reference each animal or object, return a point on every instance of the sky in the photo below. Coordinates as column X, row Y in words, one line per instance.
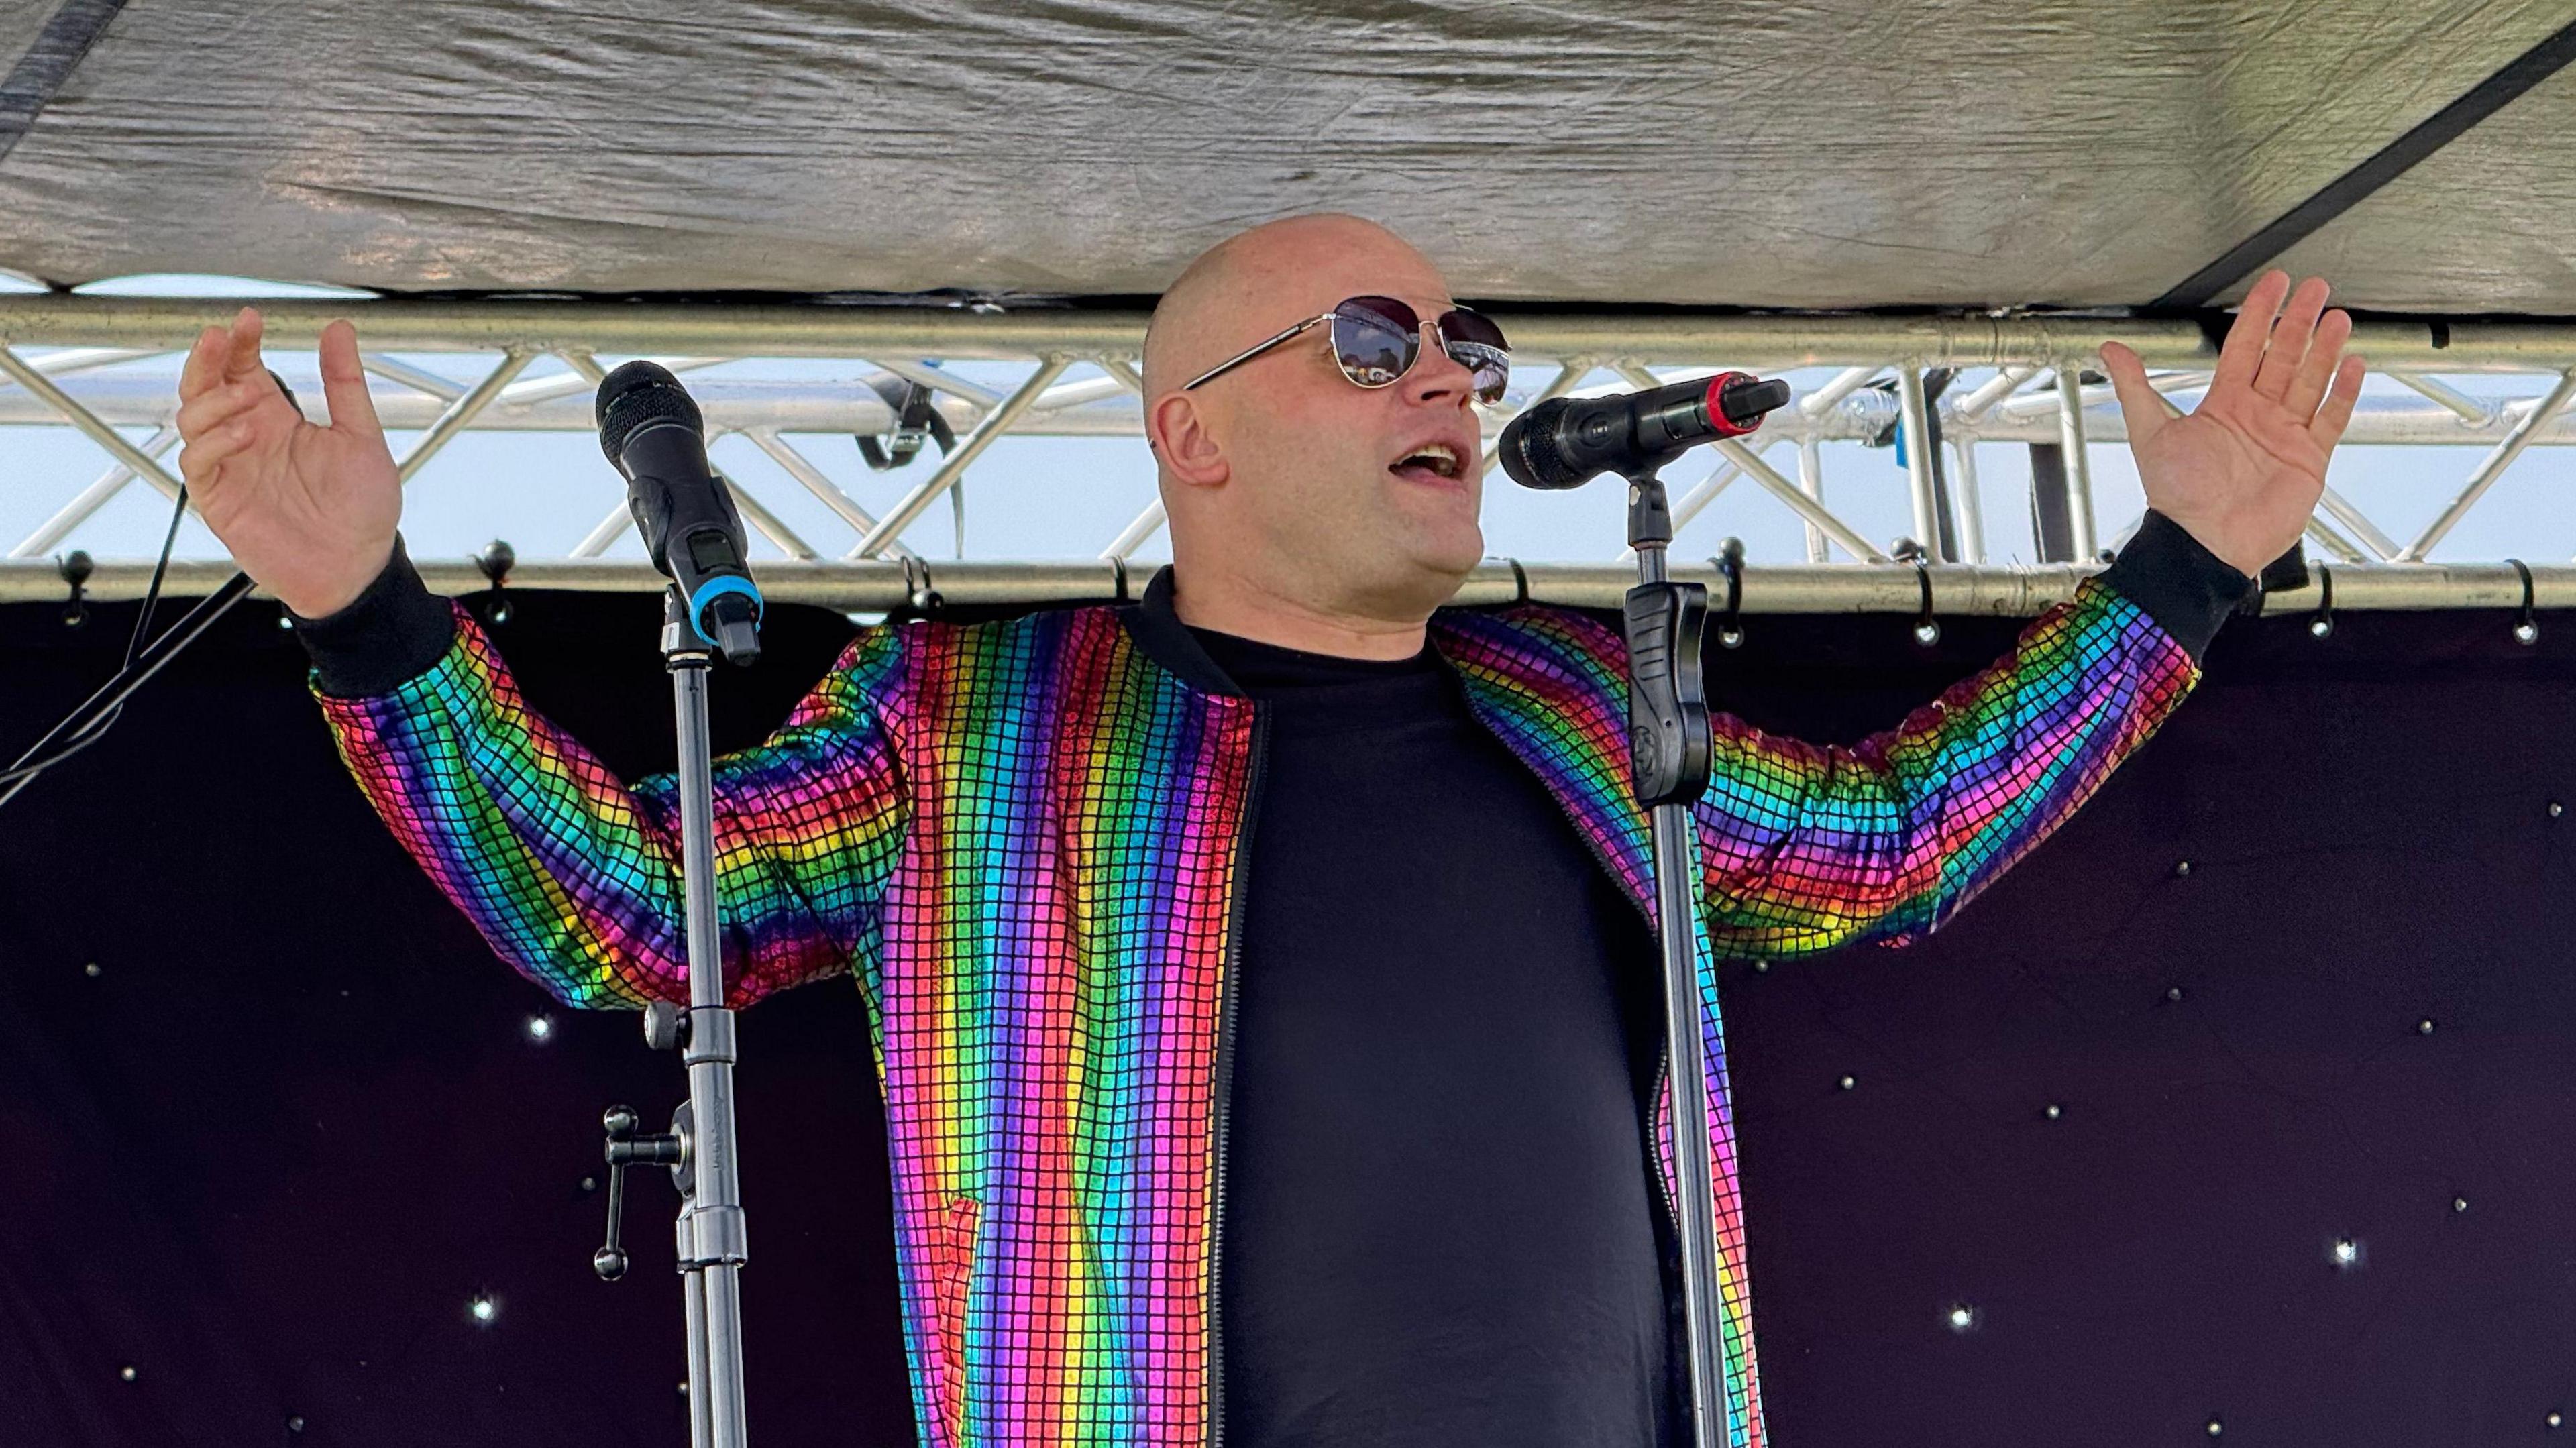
column 1065, row 498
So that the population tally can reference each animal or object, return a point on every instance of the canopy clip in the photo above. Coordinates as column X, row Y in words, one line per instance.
column 1730, row 620
column 75, row 568
column 1927, row 629
column 2322, row 626
column 2526, row 628
column 494, row 563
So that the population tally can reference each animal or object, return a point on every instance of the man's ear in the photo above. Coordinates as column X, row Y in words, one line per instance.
column 1177, row 430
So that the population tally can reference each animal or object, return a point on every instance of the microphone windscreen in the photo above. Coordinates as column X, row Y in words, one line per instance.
column 638, row 393
column 1529, row 452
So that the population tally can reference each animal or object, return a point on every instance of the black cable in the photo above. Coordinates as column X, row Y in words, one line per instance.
column 90, row 733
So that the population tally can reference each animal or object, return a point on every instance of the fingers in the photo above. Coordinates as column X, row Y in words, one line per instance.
column 2290, row 339
column 208, row 451
column 243, row 359
column 2141, row 406
column 2241, row 354
column 2328, row 427
column 344, row 383
column 2317, row 370
column 205, row 365
column 207, row 410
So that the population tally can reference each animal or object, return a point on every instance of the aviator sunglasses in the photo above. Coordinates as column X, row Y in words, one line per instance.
column 1378, row 339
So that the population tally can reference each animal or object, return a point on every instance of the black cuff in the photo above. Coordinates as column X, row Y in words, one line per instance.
column 388, row 636
column 2183, row 586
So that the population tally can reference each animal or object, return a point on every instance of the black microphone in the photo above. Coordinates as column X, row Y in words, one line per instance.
column 1566, row 442
column 656, row 438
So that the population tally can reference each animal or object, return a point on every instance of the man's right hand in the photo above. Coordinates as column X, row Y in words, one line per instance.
column 308, row 512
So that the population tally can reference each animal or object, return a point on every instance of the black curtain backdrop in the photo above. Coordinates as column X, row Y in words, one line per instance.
column 272, row 1118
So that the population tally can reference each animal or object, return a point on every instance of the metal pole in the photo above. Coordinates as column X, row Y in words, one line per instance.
column 1662, row 618
column 1811, row 481
column 1970, row 505
column 1919, row 457
column 712, row 1206
column 2079, row 471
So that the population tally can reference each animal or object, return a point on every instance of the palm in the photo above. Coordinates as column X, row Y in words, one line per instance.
column 308, row 511
column 2243, row 472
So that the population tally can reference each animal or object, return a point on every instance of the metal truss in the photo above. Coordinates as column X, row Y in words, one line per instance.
column 69, row 361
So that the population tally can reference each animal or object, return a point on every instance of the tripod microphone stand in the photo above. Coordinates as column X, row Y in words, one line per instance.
column 654, row 435
column 1563, row 443
column 1668, row 743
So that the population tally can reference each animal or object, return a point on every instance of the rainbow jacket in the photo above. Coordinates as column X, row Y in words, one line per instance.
column 1027, row 842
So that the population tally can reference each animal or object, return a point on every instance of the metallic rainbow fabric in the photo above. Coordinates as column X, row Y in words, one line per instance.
column 1025, row 840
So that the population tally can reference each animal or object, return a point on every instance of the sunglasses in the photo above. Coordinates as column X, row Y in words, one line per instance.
column 1378, row 339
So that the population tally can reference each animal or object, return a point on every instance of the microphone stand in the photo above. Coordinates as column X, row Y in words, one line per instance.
column 1669, row 748
column 700, row 1149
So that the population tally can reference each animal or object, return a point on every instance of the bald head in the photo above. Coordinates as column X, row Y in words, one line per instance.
column 1304, row 508
column 1244, row 289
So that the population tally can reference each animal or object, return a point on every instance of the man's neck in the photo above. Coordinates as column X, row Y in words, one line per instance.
column 1246, row 611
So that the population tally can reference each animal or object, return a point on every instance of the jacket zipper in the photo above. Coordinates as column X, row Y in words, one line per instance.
column 1222, row 1107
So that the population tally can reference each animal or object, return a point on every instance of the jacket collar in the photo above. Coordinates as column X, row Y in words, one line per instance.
column 1158, row 630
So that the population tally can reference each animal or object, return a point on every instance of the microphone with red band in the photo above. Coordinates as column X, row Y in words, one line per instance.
column 1566, row 442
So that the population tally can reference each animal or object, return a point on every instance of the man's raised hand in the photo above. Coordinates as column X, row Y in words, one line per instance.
column 308, row 512
column 2243, row 472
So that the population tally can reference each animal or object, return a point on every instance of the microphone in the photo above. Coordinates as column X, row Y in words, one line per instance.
column 656, row 438
column 1566, row 442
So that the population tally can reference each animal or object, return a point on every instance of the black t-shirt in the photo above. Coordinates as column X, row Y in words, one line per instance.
column 1439, row 1226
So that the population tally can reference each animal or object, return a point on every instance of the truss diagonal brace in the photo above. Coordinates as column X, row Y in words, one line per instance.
column 459, row 413
column 2492, row 468
column 42, row 387
column 1808, row 508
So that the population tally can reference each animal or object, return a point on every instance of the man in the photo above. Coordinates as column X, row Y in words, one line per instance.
column 1264, row 994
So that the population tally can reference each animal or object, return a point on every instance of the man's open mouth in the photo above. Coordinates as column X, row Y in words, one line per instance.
column 1432, row 460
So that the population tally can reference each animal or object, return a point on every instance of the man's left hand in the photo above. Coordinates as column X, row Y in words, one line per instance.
column 2243, row 472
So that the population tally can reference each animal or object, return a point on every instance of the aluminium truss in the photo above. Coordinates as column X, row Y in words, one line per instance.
column 102, row 365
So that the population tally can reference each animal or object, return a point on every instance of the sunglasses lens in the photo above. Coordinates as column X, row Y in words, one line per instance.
column 1375, row 339
column 1478, row 345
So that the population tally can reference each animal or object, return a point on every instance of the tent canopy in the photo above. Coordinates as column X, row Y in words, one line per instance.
column 1826, row 154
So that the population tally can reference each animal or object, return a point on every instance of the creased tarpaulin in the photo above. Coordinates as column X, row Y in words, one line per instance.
column 1833, row 154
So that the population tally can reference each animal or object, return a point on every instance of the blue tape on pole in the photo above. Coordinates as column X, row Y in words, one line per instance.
column 715, row 588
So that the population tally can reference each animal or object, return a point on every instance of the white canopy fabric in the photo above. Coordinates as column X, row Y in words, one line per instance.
column 1818, row 154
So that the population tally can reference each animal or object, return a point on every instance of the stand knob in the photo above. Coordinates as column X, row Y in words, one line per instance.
column 666, row 1026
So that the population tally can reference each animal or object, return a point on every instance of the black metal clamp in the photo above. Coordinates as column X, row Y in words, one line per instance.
column 75, row 568
column 494, row 563
column 1729, row 562
column 1927, row 629
column 2526, row 627
column 2322, row 626
column 918, row 591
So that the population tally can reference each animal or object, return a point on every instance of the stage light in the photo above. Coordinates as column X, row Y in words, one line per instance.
column 1848, row 1083
column 127, row 1372
column 2459, row 1204
column 1962, row 1317
column 2055, row 1111
column 2346, row 1251
column 2424, row 1027
column 2216, row 1427
column 2552, row 1419
column 484, row 1309
column 540, row 1028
